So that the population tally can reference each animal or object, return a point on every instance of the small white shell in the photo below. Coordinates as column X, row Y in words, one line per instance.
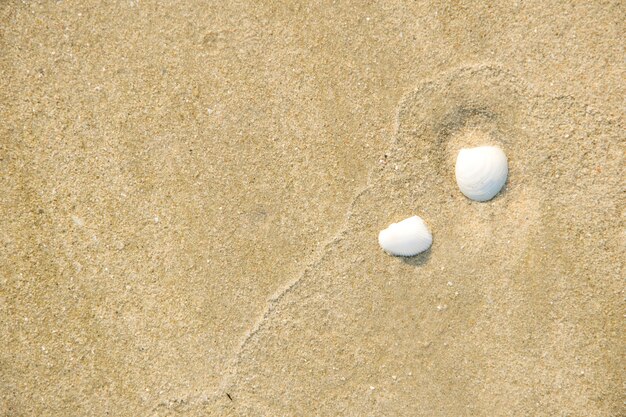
column 406, row 238
column 481, row 172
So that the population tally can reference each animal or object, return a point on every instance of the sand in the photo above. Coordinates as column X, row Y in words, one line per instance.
column 190, row 196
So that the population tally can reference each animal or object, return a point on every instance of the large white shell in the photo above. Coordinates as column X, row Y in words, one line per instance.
column 481, row 172
column 406, row 238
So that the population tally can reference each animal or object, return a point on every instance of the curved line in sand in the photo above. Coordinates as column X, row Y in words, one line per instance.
column 276, row 298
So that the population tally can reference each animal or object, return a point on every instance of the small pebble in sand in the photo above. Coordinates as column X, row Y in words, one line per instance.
column 78, row 221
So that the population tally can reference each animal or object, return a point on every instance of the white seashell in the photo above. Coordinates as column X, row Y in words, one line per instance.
column 406, row 238
column 481, row 172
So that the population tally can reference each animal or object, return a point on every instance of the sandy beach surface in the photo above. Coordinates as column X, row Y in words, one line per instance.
column 191, row 193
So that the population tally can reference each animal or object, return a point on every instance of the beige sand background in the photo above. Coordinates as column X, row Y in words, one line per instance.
column 190, row 195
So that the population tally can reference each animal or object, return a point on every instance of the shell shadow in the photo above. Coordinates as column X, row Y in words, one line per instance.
column 418, row 260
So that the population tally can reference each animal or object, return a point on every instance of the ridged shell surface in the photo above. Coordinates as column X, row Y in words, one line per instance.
column 406, row 238
column 481, row 172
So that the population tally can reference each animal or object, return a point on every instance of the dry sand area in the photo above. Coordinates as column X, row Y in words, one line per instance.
column 191, row 193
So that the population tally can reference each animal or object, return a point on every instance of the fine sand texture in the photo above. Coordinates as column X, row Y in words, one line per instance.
column 191, row 193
